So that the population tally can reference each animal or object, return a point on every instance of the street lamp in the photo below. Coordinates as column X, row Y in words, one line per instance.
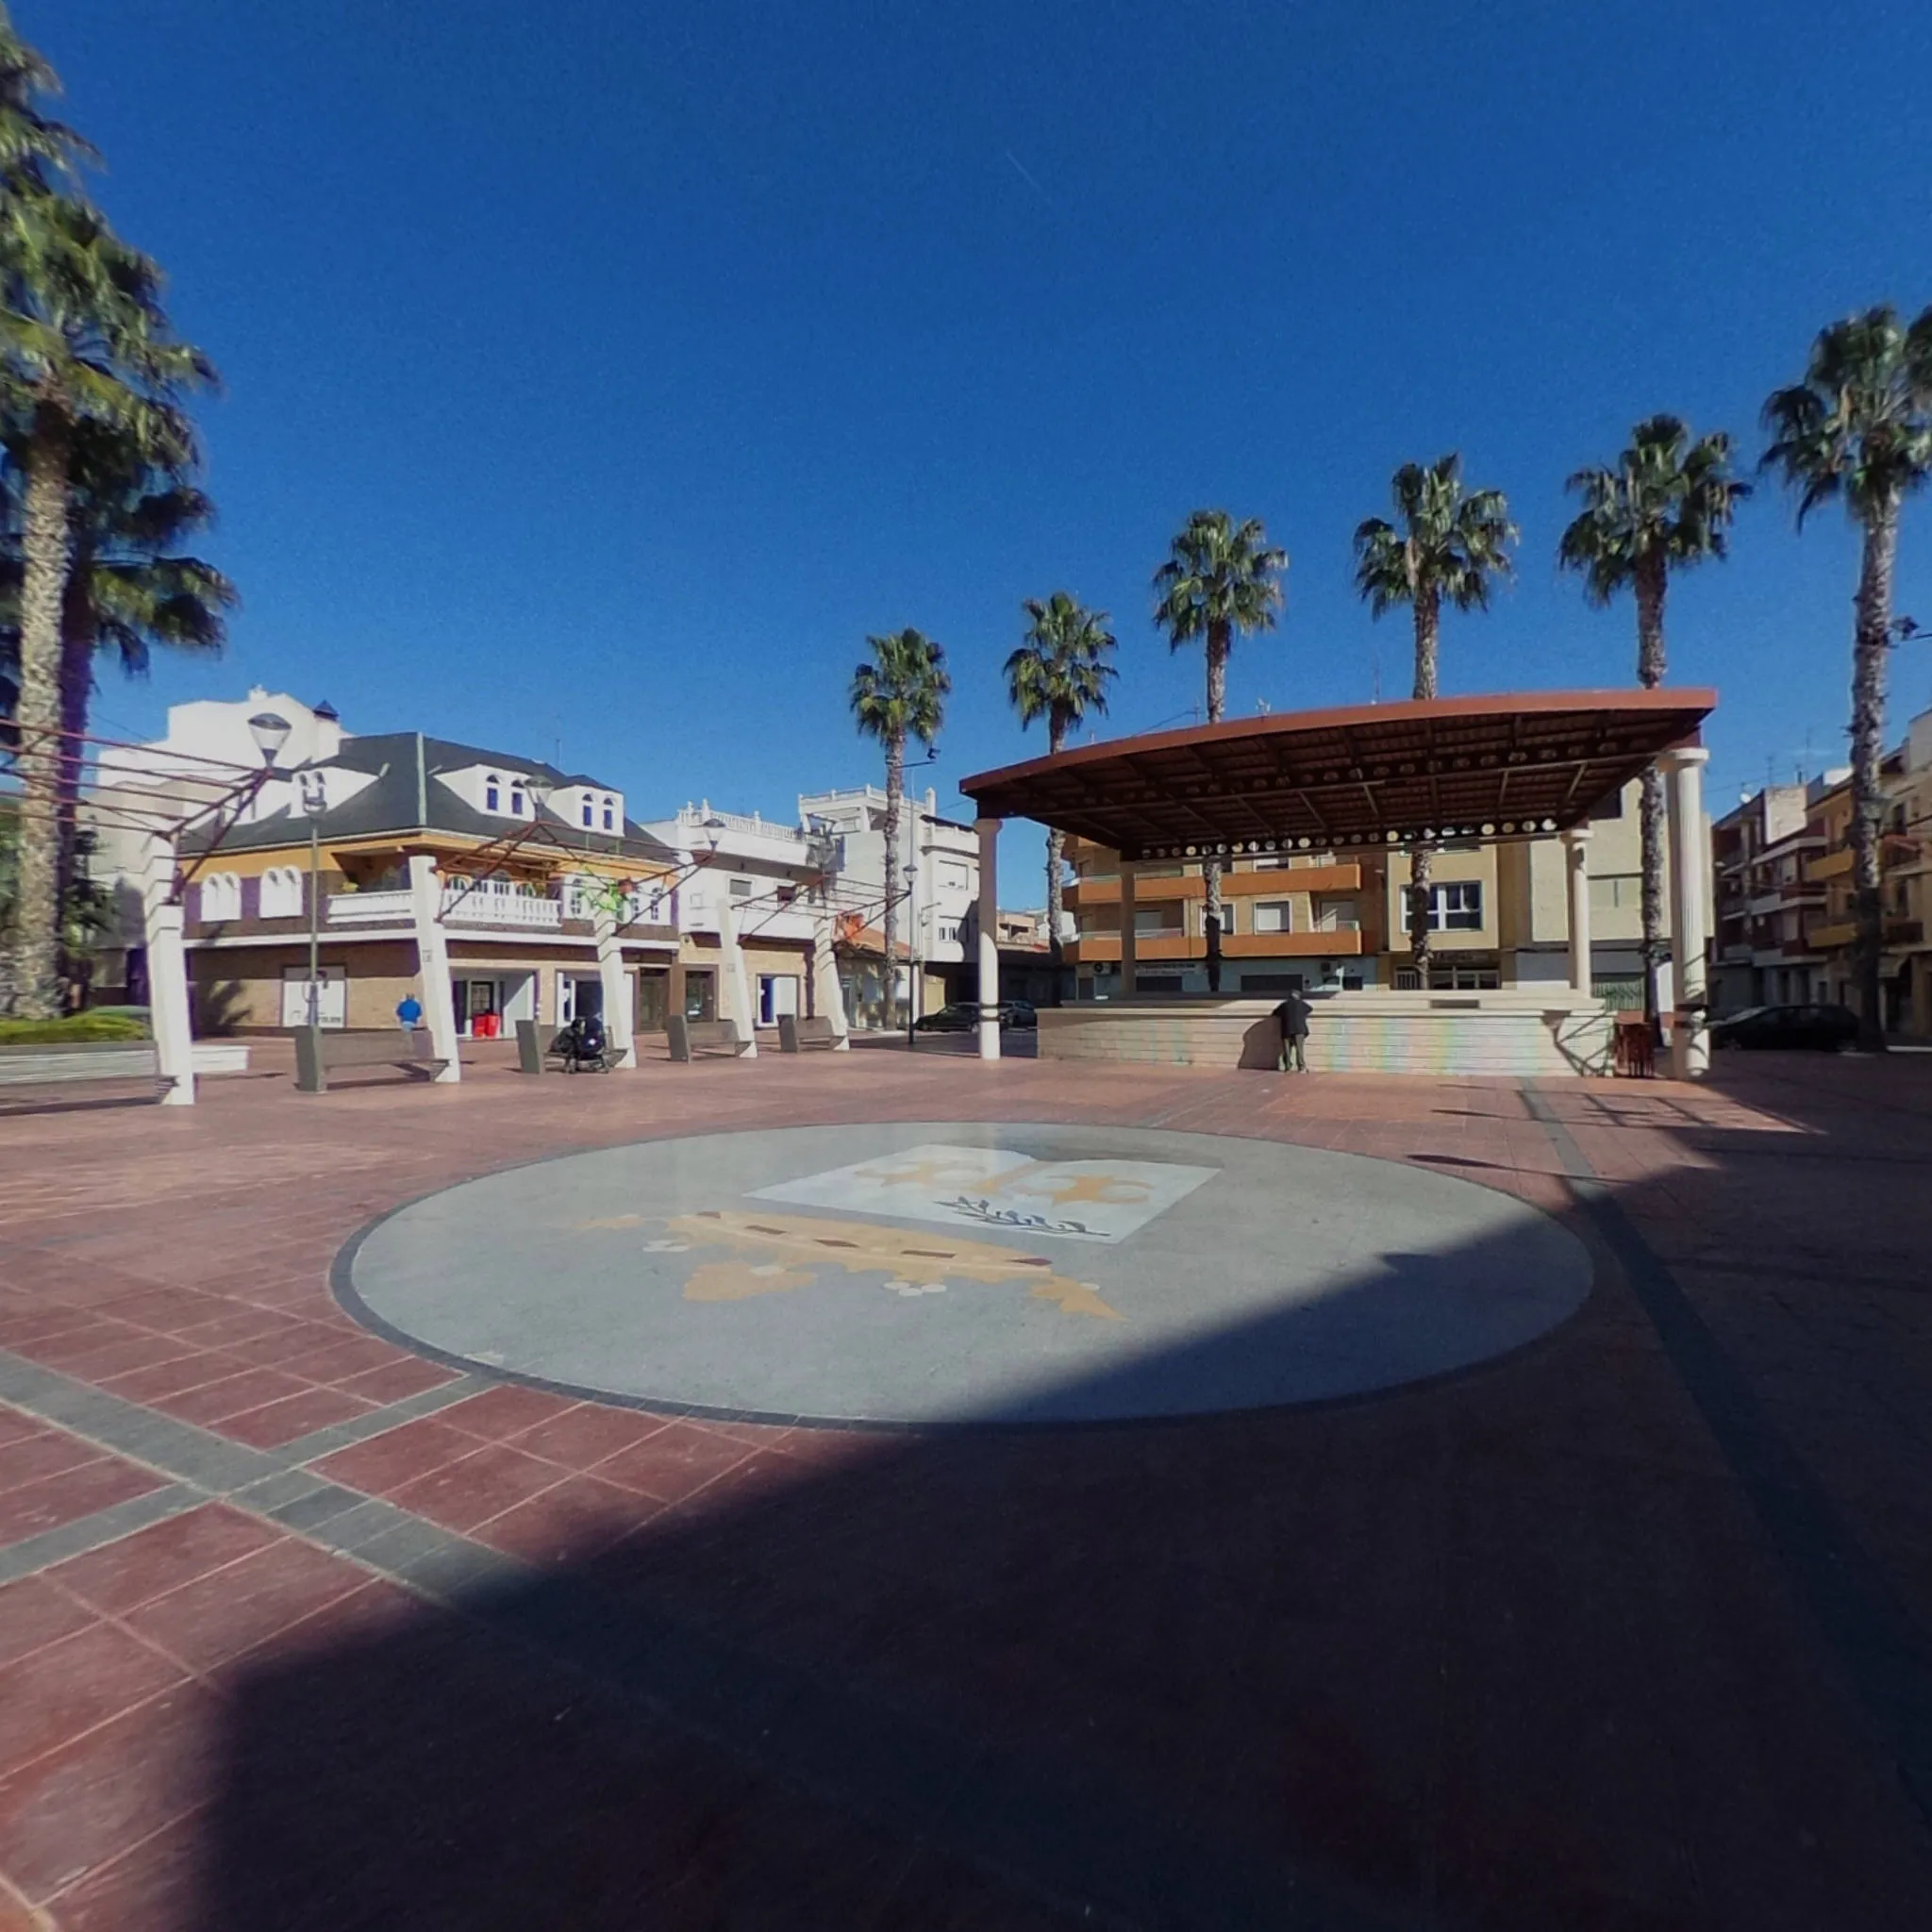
column 912, row 952
column 270, row 731
column 313, row 790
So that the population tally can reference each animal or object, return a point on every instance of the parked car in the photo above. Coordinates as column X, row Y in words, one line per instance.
column 962, row 1016
column 1824, row 1029
column 958, row 1017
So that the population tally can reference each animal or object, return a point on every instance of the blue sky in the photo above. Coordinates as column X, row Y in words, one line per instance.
column 604, row 372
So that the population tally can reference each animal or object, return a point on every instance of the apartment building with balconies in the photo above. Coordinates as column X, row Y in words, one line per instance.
column 1905, row 861
column 527, row 858
column 1767, row 898
column 1300, row 921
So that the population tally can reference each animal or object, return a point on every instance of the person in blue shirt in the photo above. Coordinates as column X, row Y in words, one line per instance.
column 408, row 1013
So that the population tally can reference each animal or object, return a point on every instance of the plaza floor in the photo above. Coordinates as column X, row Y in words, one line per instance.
column 1617, row 1620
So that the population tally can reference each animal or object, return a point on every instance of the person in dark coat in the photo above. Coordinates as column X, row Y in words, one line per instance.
column 1293, row 1014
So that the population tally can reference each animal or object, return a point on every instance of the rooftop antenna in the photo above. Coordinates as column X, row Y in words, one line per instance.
column 1375, row 673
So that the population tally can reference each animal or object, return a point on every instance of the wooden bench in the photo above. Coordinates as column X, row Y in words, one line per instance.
column 65, row 1063
column 318, row 1050
column 797, row 1033
column 688, row 1037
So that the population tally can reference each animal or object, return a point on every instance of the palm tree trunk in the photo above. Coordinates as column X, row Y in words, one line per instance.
column 45, row 546
column 1421, row 853
column 895, row 786
column 1868, row 748
column 1218, row 641
column 1649, row 585
column 76, row 696
column 1056, row 844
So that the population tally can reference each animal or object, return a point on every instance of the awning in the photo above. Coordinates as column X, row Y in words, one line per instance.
column 1516, row 766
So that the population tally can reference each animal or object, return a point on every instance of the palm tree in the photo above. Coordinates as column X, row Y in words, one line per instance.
column 1221, row 578
column 1666, row 506
column 1859, row 427
column 128, row 590
column 1448, row 546
column 1059, row 674
column 83, row 339
column 900, row 694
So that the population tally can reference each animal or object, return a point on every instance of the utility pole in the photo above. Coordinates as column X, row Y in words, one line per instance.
column 314, row 802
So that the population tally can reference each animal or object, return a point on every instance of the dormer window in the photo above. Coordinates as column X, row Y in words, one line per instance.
column 492, row 794
column 516, row 798
column 587, row 814
column 610, row 814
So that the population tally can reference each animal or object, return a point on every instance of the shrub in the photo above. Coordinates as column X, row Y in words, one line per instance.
column 81, row 1027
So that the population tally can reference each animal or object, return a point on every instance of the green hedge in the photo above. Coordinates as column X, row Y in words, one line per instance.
column 81, row 1027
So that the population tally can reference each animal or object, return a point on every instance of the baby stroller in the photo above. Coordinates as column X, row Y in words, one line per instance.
column 583, row 1047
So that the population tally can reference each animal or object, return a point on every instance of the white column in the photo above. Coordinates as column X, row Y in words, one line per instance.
column 989, row 830
column 162, row 924
column 432, row 966
column 617, row 1004
column 828, row 995
column 1690, row 1039
column 1129, row 943
column 735, row 992
column 1577, row 865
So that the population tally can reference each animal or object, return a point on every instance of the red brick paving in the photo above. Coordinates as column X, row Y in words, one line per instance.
column 1511, row 1652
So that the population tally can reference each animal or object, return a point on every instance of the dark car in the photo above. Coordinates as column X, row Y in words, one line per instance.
column 957, row 1018
column 1824, row 1030
column 962, row 1016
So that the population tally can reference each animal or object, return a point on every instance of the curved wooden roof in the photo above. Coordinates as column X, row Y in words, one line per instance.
column 1520, row 765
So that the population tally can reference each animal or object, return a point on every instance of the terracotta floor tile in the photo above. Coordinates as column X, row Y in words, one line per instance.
column 193, row 1371
column 234, row 1609
column 582, row 1437
column 56, row 1692
column 74, row 1494
column 464, row 1493
column 505, row 1411
column 29, row 1458
column 84, row 1804
column 236, row 1395
column 396, row 1381
column 580, row 1518
column 154, row 1887
column 33, row 1612
column 125, row 1575
column 672, row 1463
column 384, row 1463
column 277, row 1422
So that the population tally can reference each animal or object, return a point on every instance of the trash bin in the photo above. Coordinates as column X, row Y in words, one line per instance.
column 483, row 1025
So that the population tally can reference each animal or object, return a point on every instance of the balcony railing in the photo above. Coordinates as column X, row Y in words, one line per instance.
column 483, row 906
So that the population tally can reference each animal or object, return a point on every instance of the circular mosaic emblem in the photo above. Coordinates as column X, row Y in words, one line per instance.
column 967, row 1272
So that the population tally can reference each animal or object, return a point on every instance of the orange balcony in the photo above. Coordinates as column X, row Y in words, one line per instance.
column 1305, row 879
column 1151, row 946
column 1834, row 865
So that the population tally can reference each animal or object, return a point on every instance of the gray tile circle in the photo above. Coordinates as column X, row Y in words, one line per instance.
column 943, row 1273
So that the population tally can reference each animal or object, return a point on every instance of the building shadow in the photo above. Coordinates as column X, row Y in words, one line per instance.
column 1529, row 1647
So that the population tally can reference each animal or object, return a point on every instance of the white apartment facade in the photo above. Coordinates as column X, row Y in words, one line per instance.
column 938, row 877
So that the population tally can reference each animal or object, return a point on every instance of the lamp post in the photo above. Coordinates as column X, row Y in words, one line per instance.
column 912, row 952
column 314, row 802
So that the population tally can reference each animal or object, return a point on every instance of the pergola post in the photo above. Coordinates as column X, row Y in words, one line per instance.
column 432, row 966
column 1577, row 866
column 1129, row 943
column 736, row 987
column 618, row 1030
column 1690, row 1032
column 988, row 831
column 828, row 995
column 163, row 923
